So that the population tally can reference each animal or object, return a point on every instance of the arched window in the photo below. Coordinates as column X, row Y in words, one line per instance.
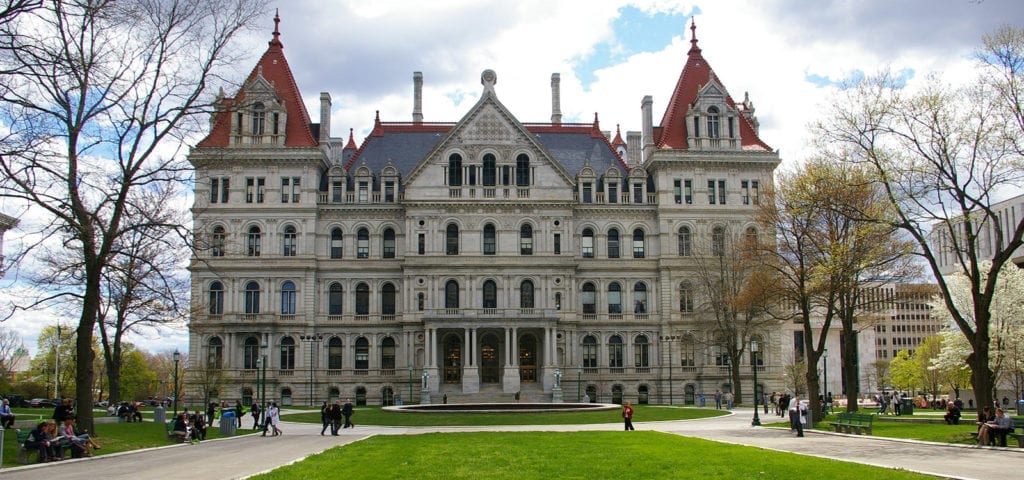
column 253, row 242
column 589, row 298
column 387, row 353
column 713, row 123
column 451, row 239
column 337, row 243
column 451, row 294
column 334, row 354
column 638, row 243
column 217, row 242
column 455, row 170
column 288, row 298
column 641, row 352
column 688, row 351
column 587, row 243
column 589, row 352
column 685, row 297
column 252, row 297
column 389, row 243
column 216, row 298
column 387, row 299
column 615, row 351
column 526, row 240
column 718, row 241
column 490, row 243
column 685, row 242
column 362, row 299
column 215, row 353
column 362, row 353
column 363, row 243
column 526, row 294
column 490, row 171
column 258, row 118
column 640, row 297
column 288, row 241
column 613, row 243
column 490, row 299
column 523, row 170
column 250, row 353
column 287, row 353
column 614, row 298
column 335, row 299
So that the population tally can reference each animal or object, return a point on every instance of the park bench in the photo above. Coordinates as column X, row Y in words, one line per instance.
column 24, row 454
column 853, row 422
column 1017, row 433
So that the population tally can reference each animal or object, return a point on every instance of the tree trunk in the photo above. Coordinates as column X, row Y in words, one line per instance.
column 851, row 369
column 114, row 379
column 981, row 376
column 84, row 373
column 737, row 384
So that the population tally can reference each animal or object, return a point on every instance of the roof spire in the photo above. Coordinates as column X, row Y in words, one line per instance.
column 277, row 32
column 351, row 141
column 693, row 36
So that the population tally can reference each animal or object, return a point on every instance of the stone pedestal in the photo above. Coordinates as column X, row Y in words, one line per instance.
column 424, row 396
column 556, row 395
column 470, row 380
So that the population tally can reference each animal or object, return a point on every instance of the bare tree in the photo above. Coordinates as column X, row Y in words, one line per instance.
column 97, row 94
column 943, row 154
column 12, row 349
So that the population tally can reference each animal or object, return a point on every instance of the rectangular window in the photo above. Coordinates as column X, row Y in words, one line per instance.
column 745, row 191
column 261, row 186
column 587, row 246
column 276, row 119
column 732, row 130
column 238, row 122
column 471, row 175
column 219, row 189
column 688, row 191
column 421, row 243
column 364, row 192
column 711, row 192
column 558, row 244
column 638, row 193
column 389, row 192
column 296, row 191
column 505, row 174
column 677, row 190
column 250, row 189
column 721, row 192
column 285, row 187
column 336, row 190
column 214, row 190
column 225, row 187
column 754, row 194
column 588, row 193
column 613, row 193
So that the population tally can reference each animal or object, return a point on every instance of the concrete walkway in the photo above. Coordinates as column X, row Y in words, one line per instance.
column 240, row 457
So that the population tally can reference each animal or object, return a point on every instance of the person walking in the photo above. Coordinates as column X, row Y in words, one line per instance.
column 325, row 417
column 266, row 419
column 797, row 415
column 335, row 417
column 718, row 399
column 275, row 418
column 256, row 416
column 347, row 411
column 728, row 400
column 627, row 416
column 239, row 411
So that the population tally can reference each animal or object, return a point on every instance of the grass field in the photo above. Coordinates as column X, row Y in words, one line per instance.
column 929, row 432
column 377, row 416
column 582, row 455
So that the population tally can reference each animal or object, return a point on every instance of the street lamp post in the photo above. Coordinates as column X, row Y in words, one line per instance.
column 754, row 347
column 263, row 392
column 312, row 341
column 259, row 383
column 177, row 357
column 410, row 384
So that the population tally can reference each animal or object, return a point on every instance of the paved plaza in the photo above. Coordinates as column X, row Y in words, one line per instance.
column 240, row 457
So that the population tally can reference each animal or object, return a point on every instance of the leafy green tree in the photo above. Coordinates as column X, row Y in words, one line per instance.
column 138, row 381
column 905, row 371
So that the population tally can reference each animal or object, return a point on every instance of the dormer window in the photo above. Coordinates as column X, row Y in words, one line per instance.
column 713, row 123
column 258, row 118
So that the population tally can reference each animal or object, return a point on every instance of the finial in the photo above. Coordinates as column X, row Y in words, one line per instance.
column 597, row 125
column 693, row 36
column 277, row 31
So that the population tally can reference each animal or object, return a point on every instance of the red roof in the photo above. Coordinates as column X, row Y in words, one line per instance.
column 274, row 67
column 617, row 141
column 695, row 75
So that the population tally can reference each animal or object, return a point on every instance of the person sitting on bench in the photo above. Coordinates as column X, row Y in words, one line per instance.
column 6, row 415
column 952, row 414
column 995, row 429
column 180, row 428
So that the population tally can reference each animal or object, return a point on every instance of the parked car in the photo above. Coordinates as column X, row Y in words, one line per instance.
column 101, row 404
column 41, row 403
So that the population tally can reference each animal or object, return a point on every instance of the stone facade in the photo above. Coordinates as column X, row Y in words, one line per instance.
column 475, row 260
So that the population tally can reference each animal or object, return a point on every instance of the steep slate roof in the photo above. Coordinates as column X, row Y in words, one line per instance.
column 274, row 68
column 405, row 145
column 696, row 73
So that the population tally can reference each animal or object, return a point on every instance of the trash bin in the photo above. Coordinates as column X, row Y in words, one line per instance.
column 1020, row 407
column 907, row 406
column 809, row 420
column 160, row 414
column 227, row 423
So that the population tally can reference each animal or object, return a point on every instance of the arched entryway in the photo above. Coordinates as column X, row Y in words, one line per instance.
column 286, row 397
column 617, row 394
column 360, row 395
column 490, row 371
column 387, row 395
column 528, row 359
column 642, row 395
column 592, row 393
column 688, row 394
column 452, row 359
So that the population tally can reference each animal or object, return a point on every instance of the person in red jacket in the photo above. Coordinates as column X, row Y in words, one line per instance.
column 627, row 415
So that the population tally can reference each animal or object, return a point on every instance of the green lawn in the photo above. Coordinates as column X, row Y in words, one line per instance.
column 377, row 416
column 582, row 455
column 929, row 432
column 116, row 437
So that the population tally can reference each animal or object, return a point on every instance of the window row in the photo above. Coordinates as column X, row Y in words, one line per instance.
column 717, row 193
column 359, row 356
column 613, row 192
column 719, row 240
column 256, row 189
column 252, row 301
column 488, row 173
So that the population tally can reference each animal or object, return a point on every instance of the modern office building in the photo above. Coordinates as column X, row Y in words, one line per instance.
column 483, row 258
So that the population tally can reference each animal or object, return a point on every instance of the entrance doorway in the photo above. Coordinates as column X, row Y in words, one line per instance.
column 528, row 359
column 489, row 365
column 452, row 359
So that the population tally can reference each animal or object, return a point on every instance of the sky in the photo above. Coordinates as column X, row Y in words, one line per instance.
column 790, row 56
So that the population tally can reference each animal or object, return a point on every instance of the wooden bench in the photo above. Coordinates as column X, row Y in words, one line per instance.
column 853, row 423
column 1018, row 432
column 24, row 454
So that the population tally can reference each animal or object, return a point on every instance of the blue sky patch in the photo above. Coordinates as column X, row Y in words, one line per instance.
column 899, row 79
column 634, row 32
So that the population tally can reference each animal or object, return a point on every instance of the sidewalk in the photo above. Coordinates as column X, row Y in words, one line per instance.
column 240, row 457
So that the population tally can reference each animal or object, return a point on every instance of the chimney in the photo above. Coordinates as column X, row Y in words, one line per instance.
column 325, row 116
column 648, row 126
column 633, row 147
column 417, row 97
column 556, row 99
